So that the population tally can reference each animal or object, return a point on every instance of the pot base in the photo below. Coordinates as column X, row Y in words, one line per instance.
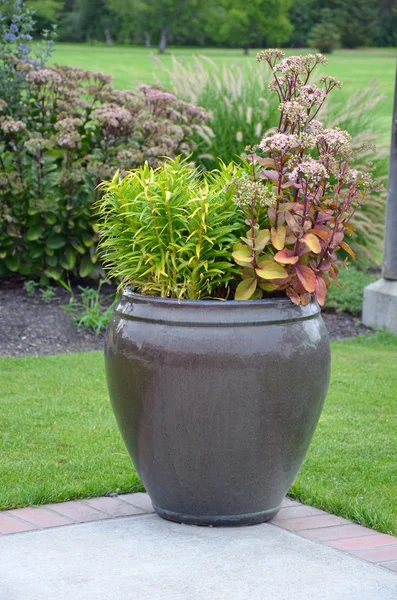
column 218, row 520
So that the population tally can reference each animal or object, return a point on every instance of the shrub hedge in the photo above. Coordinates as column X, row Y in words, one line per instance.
column 70, row 130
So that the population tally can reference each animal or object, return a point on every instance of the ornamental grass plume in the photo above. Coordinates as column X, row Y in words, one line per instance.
column 312, row 191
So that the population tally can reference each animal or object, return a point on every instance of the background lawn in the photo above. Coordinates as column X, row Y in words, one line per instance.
column 130, row 65
column 59, row 439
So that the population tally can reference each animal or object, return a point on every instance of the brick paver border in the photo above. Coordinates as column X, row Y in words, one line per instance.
column 305, row 521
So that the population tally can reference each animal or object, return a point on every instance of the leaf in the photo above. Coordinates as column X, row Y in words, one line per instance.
column 53, row 273
column 306, row 277
column 77, row 245
column 293, row 296
column 88, row 239
column 312, row 242
column 68, row 259
column 291, row 222
column 271, row 270
column 286, row 257
column 321, row 291
column 33, row 233
column 269, row 287
column 338, row 239
column 323, row 217
column 262, row 239
column 333, row 271
column 264, row 162
column 290, row 239
column 271, row 214
column 52, row 261
column 242, row 254
column 282, row 283
column 305, row 299
column 86, row 266
column 51, row 218
column 347, row 249
column 293, row 184
column 289, row 206
column 278, row 237
column 56, row 241
column 12, row 263
column 13, row 232
column 325, row 265
column 247, row 272
column 266, row 174
column 321, row 233
column 246, row 289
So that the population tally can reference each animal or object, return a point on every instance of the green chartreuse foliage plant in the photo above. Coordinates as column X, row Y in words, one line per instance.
column 170, row 231
column 281, row 217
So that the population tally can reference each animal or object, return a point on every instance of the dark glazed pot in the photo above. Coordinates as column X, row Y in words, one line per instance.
column 217, row 401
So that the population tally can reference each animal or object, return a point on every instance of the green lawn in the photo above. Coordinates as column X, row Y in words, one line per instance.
column 130, row 64
column 58, row 436
column 59, row 439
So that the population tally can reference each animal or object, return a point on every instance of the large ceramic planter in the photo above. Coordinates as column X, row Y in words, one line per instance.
column 217, row 401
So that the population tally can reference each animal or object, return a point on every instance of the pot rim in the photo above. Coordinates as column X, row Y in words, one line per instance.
column 215, row 313
column 280, row 300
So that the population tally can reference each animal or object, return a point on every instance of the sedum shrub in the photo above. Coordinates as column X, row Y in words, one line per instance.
column 302, row 177
column 72, row 130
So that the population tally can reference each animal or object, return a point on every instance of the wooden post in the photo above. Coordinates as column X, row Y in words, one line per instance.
column 390, row 256
column 380, row 298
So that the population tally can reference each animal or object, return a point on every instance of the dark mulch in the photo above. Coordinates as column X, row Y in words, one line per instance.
column 343, row 325
column 29, row 326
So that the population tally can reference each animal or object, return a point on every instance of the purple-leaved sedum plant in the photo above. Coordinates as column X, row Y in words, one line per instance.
column 301, row 188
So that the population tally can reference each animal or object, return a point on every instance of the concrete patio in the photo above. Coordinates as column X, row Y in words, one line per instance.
column 139, row 556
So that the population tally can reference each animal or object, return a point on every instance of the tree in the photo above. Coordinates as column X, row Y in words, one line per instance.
column 258, row 22
column 46, row 12
column 324, row 36
column 162, row 16
column 303, row 14
column 387, row 30
column 127, row 14
column 87, row 20
column 358, row 23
